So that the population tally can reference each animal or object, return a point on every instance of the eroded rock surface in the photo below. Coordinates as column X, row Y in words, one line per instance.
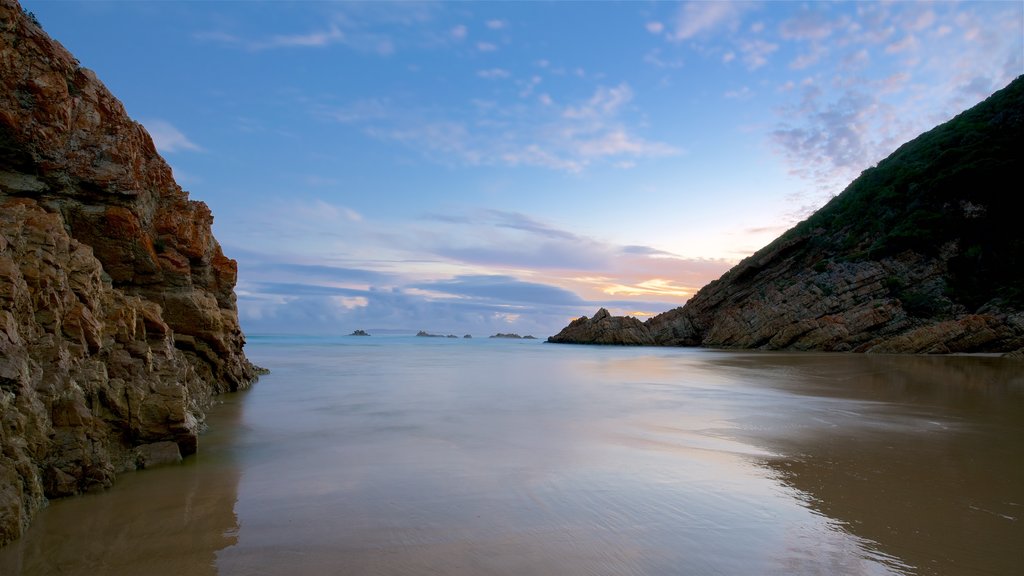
column 118, row 321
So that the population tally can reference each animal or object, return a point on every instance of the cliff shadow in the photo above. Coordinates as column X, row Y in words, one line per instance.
column 170, row 521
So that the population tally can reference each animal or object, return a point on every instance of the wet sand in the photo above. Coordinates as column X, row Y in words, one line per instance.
column 400, row 456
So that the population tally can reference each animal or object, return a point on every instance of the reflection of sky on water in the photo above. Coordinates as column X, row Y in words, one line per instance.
column 415, row 456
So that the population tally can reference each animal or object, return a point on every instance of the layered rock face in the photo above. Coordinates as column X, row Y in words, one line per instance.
column 921, row 254
column 118, row 321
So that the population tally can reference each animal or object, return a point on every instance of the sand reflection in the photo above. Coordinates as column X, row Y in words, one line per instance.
column 167, row 521
column 923, row 458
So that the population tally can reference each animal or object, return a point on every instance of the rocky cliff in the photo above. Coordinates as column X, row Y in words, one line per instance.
column 117, row 312
column 921, row 254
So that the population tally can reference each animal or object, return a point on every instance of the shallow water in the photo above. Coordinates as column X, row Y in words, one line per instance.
column 413, row 456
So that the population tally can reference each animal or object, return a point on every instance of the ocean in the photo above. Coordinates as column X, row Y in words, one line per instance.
column 398, row 455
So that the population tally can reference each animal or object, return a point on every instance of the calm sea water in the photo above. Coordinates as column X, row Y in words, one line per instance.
column 414, row 456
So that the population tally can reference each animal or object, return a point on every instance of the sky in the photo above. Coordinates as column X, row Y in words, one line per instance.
column 509, row 166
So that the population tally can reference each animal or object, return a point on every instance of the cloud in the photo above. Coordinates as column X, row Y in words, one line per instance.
column 618, row 142
column 816, row 53
column 696, row 18
column 529, row 86
column 654, row 57
column 326, row 273
column 807, row 25
column 845, row 118
column 358, row 111
column 834, row 139
column 908, row 42
column 756, row 52
column 494, row 73
column 479, row 271
column 167, row 138
column 655, row 27
column 743, row 93
column 352, row 25
column 459, row 32
column 318, row 38
column 319, row 210
column 605, row 101
column 651, row 287
column 567, row 138
column 486, row 47
column 496, row 24
column 521, row 251
column 503, row 290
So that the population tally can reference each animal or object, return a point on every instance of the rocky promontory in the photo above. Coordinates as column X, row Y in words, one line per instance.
column 920, row 254
column 118, row 321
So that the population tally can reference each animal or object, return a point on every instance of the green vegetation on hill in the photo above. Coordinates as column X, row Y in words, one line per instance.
column 948, row 193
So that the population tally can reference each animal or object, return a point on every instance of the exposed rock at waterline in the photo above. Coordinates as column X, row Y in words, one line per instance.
column 603, row 328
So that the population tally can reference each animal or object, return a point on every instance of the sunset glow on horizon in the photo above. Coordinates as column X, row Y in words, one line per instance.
column 484, row 167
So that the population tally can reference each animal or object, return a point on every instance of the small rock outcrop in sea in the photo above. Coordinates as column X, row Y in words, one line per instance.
column 359, row 333
column 425, row 334
column 468, row 336
column 513, row 336
column 920, row 254
column 118, row 322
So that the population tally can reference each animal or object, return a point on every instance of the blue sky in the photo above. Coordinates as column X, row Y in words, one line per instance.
column 485, row 167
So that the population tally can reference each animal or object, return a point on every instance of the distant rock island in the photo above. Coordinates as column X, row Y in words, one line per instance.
column 513, row 336
column 118, row 325
column 921, row 254
column 360, row 333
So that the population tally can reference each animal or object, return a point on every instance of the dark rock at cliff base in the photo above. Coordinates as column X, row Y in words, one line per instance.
column 920, row 254
column 118, row 322
column 604, row 328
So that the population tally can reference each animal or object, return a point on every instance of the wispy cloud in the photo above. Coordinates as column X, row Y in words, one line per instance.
column 568, row 138
column 317, row 38
column 493, row 73
column 696, row 18
column 756, row 52
column 502, row 290
column 655, row 58
column 167, row 138
column 845, row 118
column 604, row 102
column 355, row 31
column 808, row 25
